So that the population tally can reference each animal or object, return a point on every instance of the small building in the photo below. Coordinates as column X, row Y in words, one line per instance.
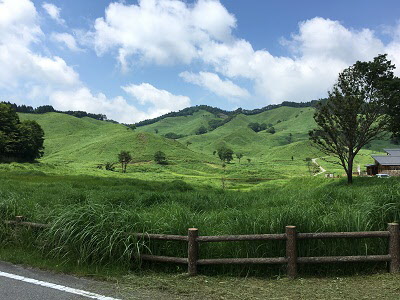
column 386, row 164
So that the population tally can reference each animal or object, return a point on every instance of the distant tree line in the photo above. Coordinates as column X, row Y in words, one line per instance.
column 225, row 115
column 48, row 108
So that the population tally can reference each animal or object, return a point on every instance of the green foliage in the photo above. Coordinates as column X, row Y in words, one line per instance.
column 256, row 127
column 239, row 156
column 201, row 130
column 124, row 158
column 392, row 101
column 160, row 158
column 352, row 116
column 271, row 130
column 225, row 154
column 173, row 136
column 289, row 138
column 20, row 141
column 131, row 126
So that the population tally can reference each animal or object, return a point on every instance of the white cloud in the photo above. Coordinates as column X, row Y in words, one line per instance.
column 212, row 82
column 160, row 31
column 67, row 40
column 20, row 66
column 172, row 31
column 320, row 50
column 28, row 75
column 83, row 99
column 54, row 12
column 393, row 48
column 161, row 101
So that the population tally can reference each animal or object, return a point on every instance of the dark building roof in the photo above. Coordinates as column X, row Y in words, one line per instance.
column 394, row 152
column 387, row 160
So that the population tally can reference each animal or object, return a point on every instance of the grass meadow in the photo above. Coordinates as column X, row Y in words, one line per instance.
column 91, row 218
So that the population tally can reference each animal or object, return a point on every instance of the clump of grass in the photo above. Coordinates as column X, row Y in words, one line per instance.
column 92, row 234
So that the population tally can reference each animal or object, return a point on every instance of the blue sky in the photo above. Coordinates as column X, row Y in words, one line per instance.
column 134, row 60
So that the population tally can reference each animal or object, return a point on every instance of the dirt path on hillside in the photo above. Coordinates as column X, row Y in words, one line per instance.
column 322, row 170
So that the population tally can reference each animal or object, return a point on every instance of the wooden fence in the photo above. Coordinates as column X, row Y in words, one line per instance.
column 291, row 236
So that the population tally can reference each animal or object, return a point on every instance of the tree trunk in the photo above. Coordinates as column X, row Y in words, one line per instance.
column 350, row 171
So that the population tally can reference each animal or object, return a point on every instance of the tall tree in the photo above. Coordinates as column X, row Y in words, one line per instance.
column 20, row 141
column 239, row 156
column 124, row 157
column 392, row 98
column 225, row 154
column 353, row 114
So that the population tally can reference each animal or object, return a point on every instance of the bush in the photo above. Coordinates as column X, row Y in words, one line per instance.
column 201, row 130
column 256, row 127
column 271, row 130
column 160, row 158
column 173, row 136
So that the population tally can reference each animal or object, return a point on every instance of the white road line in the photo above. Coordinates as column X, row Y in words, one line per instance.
column 56, row 286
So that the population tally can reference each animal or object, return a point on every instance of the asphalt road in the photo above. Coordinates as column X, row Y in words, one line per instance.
column 20, row 283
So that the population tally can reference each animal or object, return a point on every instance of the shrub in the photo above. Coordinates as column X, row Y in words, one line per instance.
column 201, row 130
column 160, row 158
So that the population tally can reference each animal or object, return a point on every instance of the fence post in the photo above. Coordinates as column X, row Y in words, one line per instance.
column 394, row 247
column 291, row 251
column 193, row 251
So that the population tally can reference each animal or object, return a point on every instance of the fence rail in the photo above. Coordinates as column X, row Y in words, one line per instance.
column 291, row 236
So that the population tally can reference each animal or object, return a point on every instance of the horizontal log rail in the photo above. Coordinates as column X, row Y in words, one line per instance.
column 334, row 259
column 222, row 261
column 237, row 238
column 356, row 234
column 27, row 224
column 291, row 236
column 165, row 237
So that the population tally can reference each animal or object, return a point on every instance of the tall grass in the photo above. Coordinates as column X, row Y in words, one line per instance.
column 91, row 218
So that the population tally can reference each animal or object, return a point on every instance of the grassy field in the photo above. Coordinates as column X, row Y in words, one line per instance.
column 91, row 216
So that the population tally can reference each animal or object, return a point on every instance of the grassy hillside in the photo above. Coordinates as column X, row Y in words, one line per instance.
column 79, row 145
column 186, row 125
column 237, row 135
column 88, row 141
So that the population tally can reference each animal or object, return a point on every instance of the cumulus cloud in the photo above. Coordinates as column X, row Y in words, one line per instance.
column 213, row 83
column 67, row 40
column 161, row 101
column 319, row 51
column 83, row 99
column 19, row 29
column 161, row 31
column 45, row 79
column 54, row 12
column 172, row 31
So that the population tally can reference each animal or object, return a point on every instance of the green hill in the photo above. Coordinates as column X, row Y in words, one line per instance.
column 237, row 135
column 88, row 141
column 184, row 125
